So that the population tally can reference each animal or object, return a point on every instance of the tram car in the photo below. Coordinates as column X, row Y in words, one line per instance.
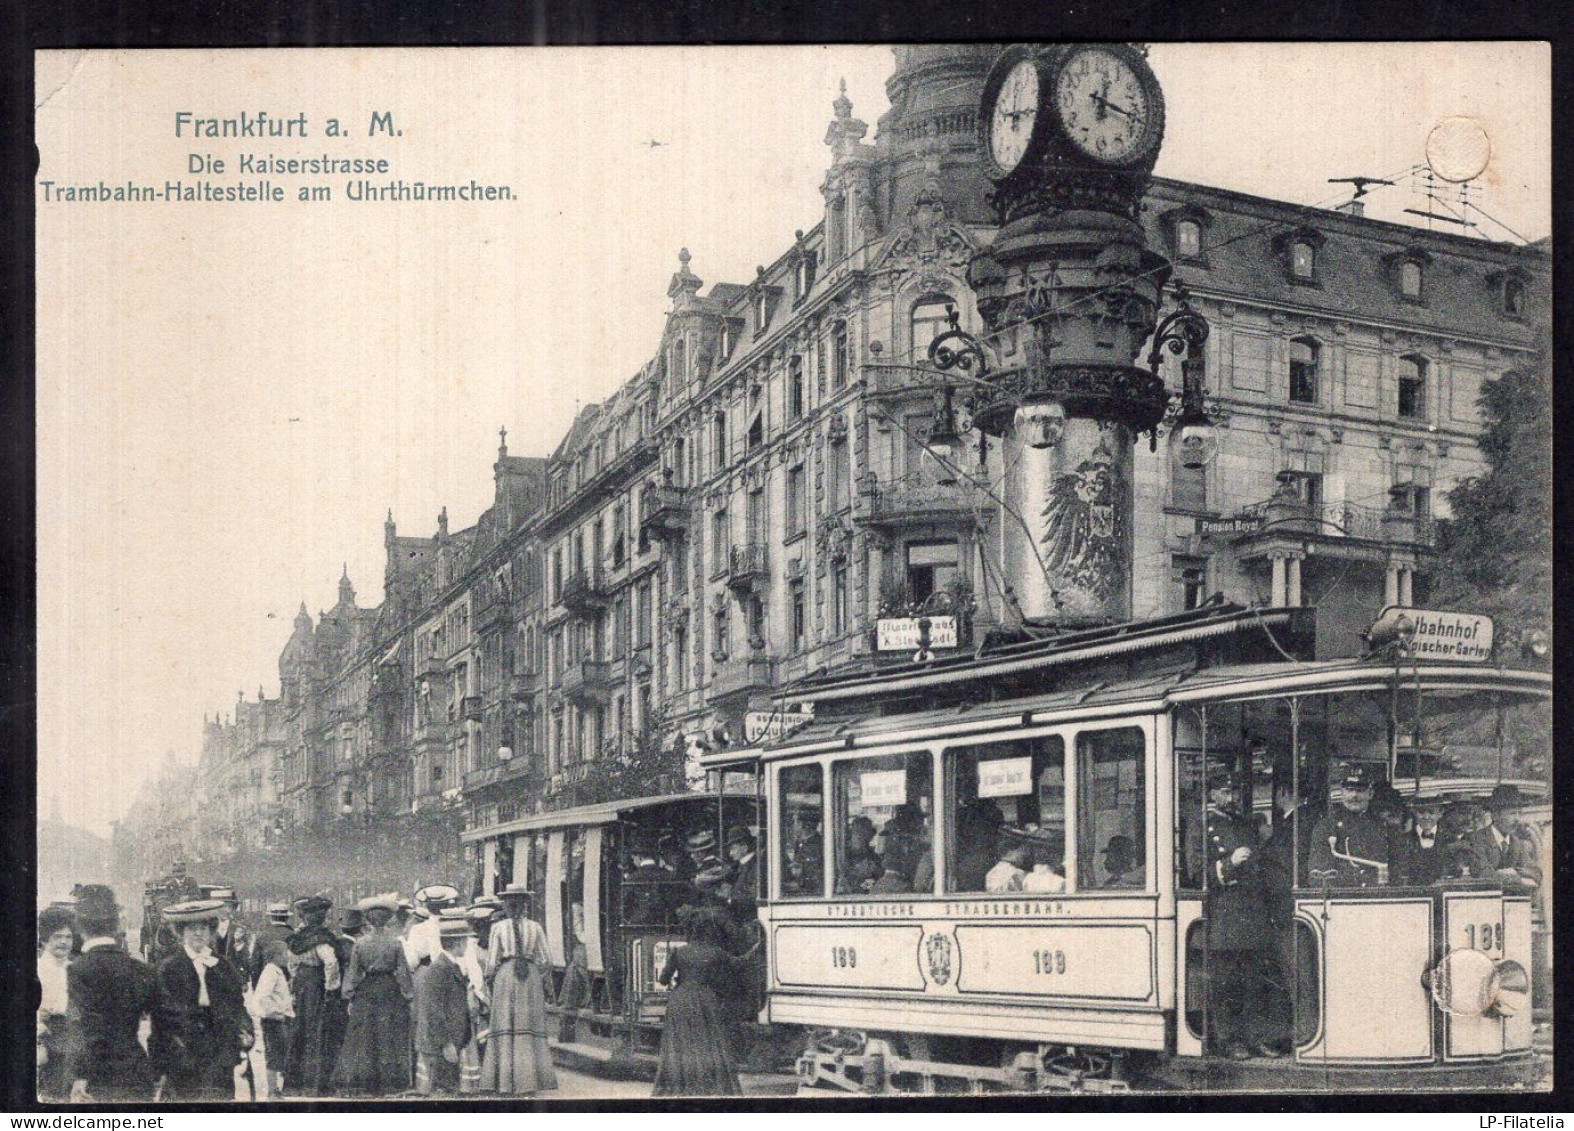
column 996, row 872
column 611, row 883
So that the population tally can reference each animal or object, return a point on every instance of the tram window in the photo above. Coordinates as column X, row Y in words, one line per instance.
column 1008, row 816
column 1111, row 810
column 884, row 824
column 802, row 790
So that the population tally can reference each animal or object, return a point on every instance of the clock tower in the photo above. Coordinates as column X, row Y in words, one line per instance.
column 1069, row 291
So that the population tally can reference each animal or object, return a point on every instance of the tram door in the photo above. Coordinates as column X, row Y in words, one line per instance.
column 1246, row 747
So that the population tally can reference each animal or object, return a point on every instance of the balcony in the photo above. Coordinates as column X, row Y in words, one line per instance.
column 585, row 592
column 917, row 500
column 587, row 682
column 470, row 708
column 747, row 568
column 515, row 769
column 434, row 731
column 743, row 675
column 1336, row 523
column 432, row 666
column 522, row 685
column 666, row 512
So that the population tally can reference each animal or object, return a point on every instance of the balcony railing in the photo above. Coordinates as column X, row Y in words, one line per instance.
column 514, row 769
column 1281, row 515
column 917, row 499
column 666, row 512
column 747, row 567
column 587, row 682
column 585, row 591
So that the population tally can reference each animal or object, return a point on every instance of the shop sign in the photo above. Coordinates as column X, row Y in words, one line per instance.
column 901, row 634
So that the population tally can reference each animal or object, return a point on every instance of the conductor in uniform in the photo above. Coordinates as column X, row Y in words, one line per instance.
column 201, row 1029
column 1236, row 921
column 1350, row 846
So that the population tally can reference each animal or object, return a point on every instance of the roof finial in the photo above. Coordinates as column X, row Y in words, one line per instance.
column 502, row 440
column 843, row 105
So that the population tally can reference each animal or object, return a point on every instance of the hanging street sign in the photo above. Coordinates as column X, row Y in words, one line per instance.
column 1236, row 524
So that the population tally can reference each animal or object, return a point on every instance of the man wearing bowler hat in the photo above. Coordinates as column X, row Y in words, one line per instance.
column 276, row 929
column 110, row 992
column 201, row 1029
column 1507, row 848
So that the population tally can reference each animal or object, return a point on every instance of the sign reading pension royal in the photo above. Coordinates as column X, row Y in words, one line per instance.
column 1450, row 636
column 901, row 634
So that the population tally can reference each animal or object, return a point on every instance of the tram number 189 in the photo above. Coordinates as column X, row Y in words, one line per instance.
column 1490, row 937
column 844, row 957
column 1049, row 962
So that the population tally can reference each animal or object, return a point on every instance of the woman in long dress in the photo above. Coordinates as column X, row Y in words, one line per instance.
column 518, row 1060
column 482, row 915
column 696, row 1054
column 314, row 973
column 375, row 1058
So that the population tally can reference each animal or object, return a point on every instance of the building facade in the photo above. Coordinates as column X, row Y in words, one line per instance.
column 748, row 505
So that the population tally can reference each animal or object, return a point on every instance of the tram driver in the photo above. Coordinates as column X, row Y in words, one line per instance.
column 1350, row 846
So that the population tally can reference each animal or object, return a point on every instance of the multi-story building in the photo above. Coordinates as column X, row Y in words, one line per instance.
column 742, row 511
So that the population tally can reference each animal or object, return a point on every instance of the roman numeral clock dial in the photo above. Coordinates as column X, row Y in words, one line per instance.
column 1014, row 116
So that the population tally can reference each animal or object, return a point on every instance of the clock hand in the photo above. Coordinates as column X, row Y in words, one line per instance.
column 1106, row 104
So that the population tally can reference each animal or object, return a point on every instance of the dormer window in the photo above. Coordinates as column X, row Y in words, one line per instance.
column 1410, row 279
column 762, row 312
column 803, row 274
column 729, row 337
column 1513, row 294
column 1303, row 259
column 1299, row 251
column 1188, row 239
column 680, row 361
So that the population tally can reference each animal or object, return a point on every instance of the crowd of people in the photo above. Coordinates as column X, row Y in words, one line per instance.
column 393, row 996
column 1369, row 837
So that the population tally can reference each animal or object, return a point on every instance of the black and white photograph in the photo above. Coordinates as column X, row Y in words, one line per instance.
column 794, row 573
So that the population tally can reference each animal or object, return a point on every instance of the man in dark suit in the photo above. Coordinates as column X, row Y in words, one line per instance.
column 201, row 1029
column 110, row 992
column 1506, row 846
column 231, row 940
column 1236, row 921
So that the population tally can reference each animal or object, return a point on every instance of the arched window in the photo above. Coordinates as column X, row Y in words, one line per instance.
column 1513, row 296
column 929, row 321
column 1188, row 239
column 1303, row 371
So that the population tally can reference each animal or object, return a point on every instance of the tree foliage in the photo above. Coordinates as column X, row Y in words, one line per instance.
column 1495, row 555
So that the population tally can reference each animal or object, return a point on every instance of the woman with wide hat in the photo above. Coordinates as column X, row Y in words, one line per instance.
column 201, row 1028
column 518, row 1060
column 375, row 1058
column 314, row 976
column 483, row 915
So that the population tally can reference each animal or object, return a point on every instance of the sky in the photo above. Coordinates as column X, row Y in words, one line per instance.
column 233, row 395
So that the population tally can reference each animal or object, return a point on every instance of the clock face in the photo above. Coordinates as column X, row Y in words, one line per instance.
column 1012, row 119
column 1103, row 105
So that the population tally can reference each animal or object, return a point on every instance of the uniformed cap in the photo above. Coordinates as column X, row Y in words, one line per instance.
column 194, row 911
column 1359, row 778
column 701, row 841
column 437, row 895
column 279, row 912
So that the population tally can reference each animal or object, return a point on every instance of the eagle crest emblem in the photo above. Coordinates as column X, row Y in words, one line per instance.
column 938, row 951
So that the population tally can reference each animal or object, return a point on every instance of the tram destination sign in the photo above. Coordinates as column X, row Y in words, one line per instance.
column 901, row 634
column 768, row 726
column 1450, row 636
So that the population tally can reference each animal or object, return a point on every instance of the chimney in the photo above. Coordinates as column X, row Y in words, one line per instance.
column 1352, row 208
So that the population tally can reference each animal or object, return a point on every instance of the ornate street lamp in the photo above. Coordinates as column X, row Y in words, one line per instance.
column 1194, row 439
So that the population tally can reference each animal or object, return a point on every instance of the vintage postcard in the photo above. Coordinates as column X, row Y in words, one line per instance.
column 800, row 572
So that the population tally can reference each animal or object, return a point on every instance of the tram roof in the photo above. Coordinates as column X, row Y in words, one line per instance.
column 602, row 813
column 1144, row 693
